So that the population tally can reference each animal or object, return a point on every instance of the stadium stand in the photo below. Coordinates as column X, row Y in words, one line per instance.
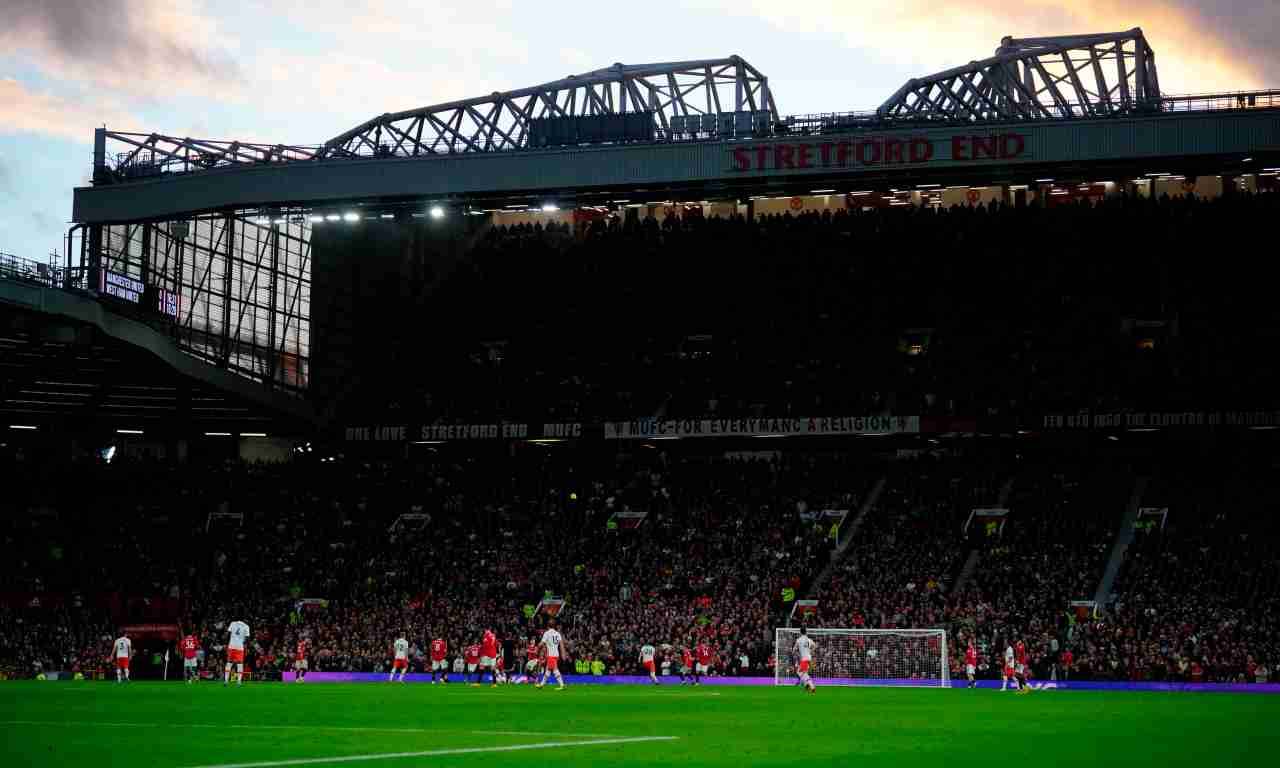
column 812, row 313
column 722, row 541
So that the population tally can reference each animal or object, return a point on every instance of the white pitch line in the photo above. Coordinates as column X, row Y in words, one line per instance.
column 356, row 728
column 437, row 752
column 547, row 733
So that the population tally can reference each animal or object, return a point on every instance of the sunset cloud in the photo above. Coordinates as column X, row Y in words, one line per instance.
column 1200, row 45
column 33, row 112
column 147, row 48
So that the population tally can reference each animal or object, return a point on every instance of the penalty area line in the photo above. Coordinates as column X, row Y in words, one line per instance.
column 438, row 752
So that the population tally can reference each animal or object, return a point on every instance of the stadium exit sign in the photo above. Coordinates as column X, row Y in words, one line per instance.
column 875, row 151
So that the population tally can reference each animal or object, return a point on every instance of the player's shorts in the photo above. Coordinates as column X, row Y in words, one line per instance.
column 702, row 669
column 1008, row 671
column 968, row 669
column 471, row 667
column 439, row 664
column 190, row 663
column 300, row 664
column 1020, row 669
column 486, row 661
column 553, row 663
column 235, row 655
column 400, row 664
column 532, row 665
column 804, row 666
column 122, row 662
column 648, row 666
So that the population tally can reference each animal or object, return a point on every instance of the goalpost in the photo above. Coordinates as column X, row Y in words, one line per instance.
column 906, row 657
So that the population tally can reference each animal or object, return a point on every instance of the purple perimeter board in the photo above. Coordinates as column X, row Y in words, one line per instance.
column 1080, row 685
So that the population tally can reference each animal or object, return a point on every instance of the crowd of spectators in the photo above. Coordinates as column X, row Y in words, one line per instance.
column 719, row 540
column 978, row 310
column 352, row 554
column 1198, row 597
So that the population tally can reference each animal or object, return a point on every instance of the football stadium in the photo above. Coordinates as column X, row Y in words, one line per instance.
column 627, row 420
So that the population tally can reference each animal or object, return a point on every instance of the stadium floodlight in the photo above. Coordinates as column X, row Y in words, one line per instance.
column 821, row 191
column 550, row 207
column 1044, row 181
column 253, row 434
column 129, row 432
column 619, row 202
column 1247, row 160
column 317, row 219
column 437, row 212
column 217, row 434
column 22, row 426
column 898, row 657
column 927, row 186
column 387, row 216
column 332, row 217
column 350, row 216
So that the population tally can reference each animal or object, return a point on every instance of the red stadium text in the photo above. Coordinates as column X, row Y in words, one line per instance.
column 879, row 150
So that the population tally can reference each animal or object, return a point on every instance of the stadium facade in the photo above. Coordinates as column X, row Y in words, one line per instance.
column 241, row 252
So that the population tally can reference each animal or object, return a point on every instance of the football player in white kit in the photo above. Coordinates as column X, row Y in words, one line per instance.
column 804, row 651
column 401, row 661
column 238, row 632
column 1008, row 669
column 646, row 658
column 123, row 652
column 552, row 641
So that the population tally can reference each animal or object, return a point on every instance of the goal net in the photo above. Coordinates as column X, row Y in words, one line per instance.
column 911, row 657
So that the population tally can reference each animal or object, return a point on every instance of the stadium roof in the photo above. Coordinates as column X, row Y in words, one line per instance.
column 1038, row 78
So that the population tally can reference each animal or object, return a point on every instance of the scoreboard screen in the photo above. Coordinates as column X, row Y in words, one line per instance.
column 122, row 287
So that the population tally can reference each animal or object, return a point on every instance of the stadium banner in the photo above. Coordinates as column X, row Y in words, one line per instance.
column 561, row 431
column 167, row 632
column 1158, row 419
column 627, row 519
column 804, row 608
column 810, row 515
column 552, row 606
column 641, row 429
column 1084, row 609
column 1073, row 685
column 434, row 433
column 1148, row 516
column 992, row 517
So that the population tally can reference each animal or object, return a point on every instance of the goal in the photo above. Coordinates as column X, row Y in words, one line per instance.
column 907, row 657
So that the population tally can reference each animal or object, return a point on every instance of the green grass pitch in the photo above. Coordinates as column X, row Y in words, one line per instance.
column 179, row 726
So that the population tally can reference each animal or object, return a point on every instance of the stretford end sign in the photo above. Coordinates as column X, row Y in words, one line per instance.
column 859, row 152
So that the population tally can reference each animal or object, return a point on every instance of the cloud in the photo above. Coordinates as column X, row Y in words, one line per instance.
column 1200, row 45
column 149, row 48
column 28, row 111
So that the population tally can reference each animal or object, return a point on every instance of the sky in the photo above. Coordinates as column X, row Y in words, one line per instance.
column 301, row 72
